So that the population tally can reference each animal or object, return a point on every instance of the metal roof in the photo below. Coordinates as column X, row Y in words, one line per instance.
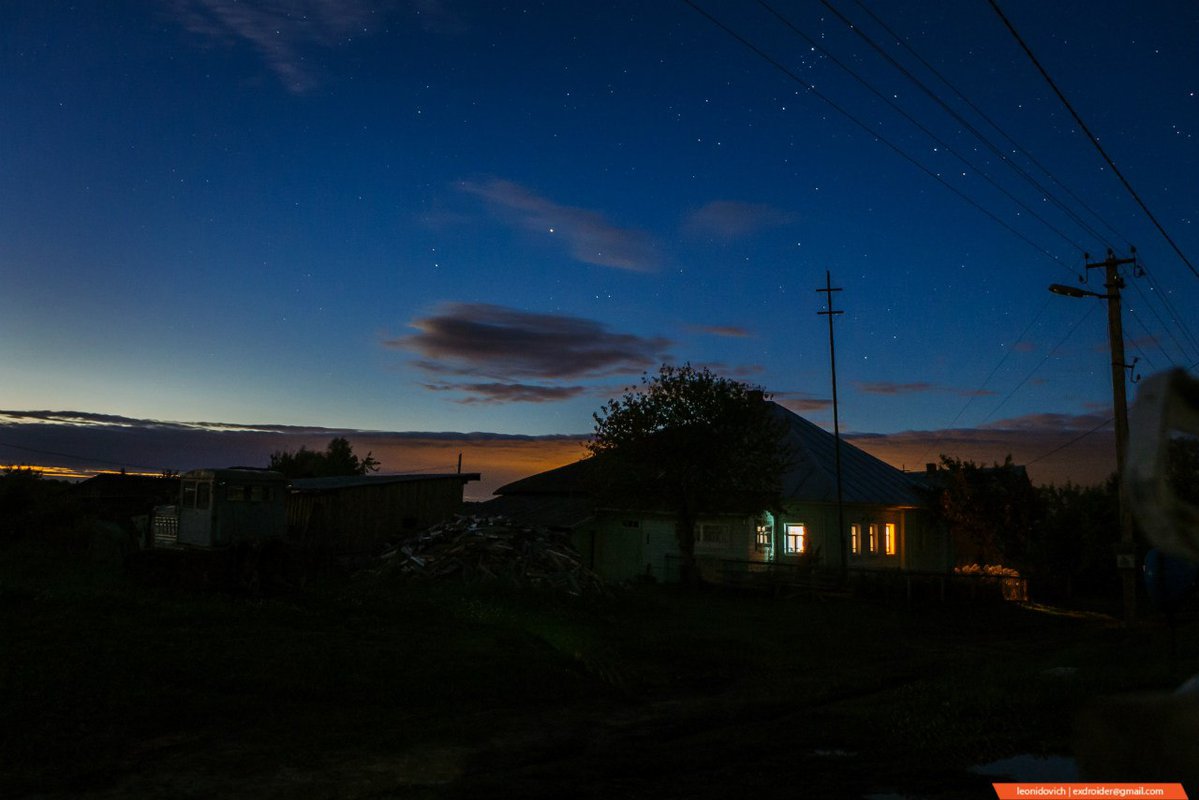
column 356, row 481
column 568, row 480
column 555, row 513
column 811, row 477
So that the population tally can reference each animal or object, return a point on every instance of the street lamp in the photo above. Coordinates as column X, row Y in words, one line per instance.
column 1126, row 551
column 1073, row 291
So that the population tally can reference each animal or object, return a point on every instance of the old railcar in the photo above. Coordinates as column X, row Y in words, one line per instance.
column 224, row 507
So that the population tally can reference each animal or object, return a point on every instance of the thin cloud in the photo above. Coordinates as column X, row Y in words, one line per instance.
column 1049, row 445
column 728, row 219
column 109, row 443
column 281, row 32
column 1024, row 347
column 890, row 388
column 1053, row 422
column 801, row 402
column 507, row 343
column 740, row 372
column 588, row 235
column 730, row 331
column 492, row 393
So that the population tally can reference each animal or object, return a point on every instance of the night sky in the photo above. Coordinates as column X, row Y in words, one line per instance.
column 435, row 216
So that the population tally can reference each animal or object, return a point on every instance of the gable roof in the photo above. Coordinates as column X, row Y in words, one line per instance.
column 811, row 476
column 566, row 481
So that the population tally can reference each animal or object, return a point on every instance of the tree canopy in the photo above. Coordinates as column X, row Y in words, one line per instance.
column 990, row 511
column 690, row 442
column 338, row 458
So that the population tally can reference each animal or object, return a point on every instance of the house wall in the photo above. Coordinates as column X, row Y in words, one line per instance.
column 620, row 546
column 919, row 545
column 929, row 545
column 624, row 545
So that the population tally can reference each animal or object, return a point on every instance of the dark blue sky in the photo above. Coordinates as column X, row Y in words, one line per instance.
column 486, row 216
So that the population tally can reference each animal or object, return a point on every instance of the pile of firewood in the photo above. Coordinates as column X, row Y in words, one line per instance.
column 492, row 549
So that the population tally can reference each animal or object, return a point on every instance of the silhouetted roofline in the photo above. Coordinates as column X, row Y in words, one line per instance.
column 811, row 477
column 355, row 481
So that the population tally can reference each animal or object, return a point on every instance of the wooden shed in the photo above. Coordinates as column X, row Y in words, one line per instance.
column 355, row 514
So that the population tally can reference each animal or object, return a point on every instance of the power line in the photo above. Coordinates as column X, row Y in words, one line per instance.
column 1094, row 141
column 978, row 392
column 1136, row 287
column 995, row 125
column 1164, row 298
column 1151, row 337
column 1073, row 441
column 919, row 125
column 870, row 131
column 1033, row 371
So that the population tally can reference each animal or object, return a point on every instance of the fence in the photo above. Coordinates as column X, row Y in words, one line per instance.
column 165, row 526
column 789, row 578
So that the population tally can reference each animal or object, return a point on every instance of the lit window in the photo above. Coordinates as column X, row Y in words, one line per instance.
column 873, row 538
column 797, row 538
column 763, row 540
column 855, row 538
column 889, row 538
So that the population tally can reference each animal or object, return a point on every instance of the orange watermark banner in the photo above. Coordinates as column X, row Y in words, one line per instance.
column 1095, row 791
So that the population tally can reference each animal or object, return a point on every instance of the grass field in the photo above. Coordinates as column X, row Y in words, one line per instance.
column 369, row 688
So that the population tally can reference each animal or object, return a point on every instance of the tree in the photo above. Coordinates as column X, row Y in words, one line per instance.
column 989, row 511
column 689, row 442
column 1182, row 468
column 337, row 459
column 1076, row 534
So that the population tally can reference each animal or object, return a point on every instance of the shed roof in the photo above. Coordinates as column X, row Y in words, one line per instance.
column 356, row 481
column 811, row 477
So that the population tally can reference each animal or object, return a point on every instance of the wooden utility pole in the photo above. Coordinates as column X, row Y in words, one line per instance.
column 1126, row 552
column 832, row 354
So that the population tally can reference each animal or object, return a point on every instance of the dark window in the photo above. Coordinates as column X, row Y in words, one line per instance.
column 235, row 494
column 189, row 494
column 203, row 494
column 256, row 493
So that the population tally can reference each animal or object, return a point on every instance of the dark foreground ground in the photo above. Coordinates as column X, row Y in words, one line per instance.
column 374, row 689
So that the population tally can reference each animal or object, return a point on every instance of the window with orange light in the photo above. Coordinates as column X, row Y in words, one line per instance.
column 763, row 537
column 873, row 537
column 797, row 538
column 889, row 539
column 855, row 538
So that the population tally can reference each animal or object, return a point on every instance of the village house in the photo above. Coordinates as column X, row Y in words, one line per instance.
column 887, row 524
